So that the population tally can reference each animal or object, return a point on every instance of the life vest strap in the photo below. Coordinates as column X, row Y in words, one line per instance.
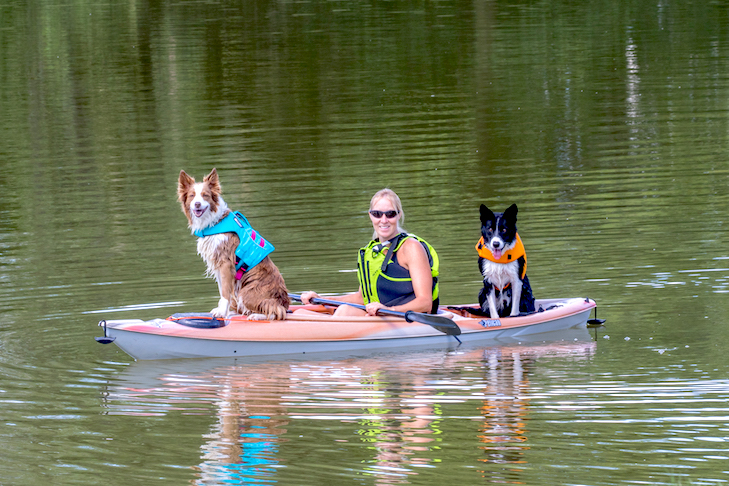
column 393, row 244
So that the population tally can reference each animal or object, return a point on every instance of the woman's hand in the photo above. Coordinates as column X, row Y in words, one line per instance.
column 373, row 307
column 307, row 296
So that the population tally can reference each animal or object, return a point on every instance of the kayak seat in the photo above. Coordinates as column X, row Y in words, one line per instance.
column 468, row 311
column 199, row 320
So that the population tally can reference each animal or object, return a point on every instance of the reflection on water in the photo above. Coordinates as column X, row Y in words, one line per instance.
column 266, row 413
column 497, row 414
column 387, row 417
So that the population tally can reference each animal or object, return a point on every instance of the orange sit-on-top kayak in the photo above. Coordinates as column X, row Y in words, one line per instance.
column 318, row 331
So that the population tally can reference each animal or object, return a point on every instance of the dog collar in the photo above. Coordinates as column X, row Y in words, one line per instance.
column 506, row 257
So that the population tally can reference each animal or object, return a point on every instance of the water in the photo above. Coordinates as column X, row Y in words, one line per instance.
column 604, row 121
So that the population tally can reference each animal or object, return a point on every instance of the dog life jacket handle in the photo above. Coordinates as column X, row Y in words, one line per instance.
column 243, row 268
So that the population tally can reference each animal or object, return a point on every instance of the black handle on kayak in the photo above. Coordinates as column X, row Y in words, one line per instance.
column 442, row 324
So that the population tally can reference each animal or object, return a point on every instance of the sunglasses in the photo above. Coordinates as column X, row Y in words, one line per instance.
column 390, row 214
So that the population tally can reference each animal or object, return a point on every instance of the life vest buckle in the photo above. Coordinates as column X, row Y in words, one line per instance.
column 241, row 268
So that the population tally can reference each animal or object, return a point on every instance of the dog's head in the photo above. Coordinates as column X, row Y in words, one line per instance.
column 201, row 201
column 499, row 229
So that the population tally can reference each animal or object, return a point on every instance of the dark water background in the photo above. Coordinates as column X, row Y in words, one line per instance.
column 606, row 122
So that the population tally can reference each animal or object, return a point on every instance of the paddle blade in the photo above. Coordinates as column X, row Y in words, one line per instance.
column 442, row 324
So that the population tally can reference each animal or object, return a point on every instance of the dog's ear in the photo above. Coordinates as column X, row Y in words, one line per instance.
column 510, row 213
column 184, row 180
column 183, row 185
column 212, row 178
column 486, row 215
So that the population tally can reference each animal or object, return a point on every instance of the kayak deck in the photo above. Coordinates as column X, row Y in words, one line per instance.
column 317, row 330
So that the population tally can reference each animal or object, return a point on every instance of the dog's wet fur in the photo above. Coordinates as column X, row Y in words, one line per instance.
column 502, row 282
column 261, row 293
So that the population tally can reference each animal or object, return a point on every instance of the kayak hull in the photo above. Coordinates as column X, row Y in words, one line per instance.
column 312, row 332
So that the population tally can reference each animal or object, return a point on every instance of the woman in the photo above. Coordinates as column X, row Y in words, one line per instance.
column 396, row 270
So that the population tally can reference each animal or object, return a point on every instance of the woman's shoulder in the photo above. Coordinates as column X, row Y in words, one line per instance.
column 412, row 246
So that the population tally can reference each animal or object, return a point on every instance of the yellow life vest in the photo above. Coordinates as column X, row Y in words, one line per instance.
column 384, row 280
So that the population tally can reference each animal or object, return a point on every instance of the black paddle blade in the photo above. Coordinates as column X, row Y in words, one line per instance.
column 443, row 324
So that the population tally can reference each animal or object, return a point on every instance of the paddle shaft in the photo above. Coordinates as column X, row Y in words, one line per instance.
column 442, row 324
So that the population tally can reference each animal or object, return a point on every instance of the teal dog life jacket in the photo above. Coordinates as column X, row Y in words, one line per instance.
column 253, row 248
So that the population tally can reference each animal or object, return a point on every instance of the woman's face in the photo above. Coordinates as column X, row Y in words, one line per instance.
column 386, row 228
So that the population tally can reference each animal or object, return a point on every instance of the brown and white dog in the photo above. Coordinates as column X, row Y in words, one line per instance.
column 261, row 292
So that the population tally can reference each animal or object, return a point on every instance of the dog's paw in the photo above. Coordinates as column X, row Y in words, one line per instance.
column 258, row 317
column 222, row 310
column 217, row 312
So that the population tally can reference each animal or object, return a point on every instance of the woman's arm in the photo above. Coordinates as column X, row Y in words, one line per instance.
column 353, row 298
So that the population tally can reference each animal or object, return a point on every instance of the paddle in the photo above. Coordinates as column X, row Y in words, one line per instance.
column 442, row 324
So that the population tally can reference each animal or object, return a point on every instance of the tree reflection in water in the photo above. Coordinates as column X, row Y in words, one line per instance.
column 383, row 418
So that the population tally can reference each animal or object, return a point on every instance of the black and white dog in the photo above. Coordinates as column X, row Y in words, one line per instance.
column 502, row 261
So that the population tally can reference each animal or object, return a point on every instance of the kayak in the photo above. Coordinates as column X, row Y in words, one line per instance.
column 316, row 330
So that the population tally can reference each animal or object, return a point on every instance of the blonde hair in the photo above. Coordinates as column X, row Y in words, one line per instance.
column 390, row 195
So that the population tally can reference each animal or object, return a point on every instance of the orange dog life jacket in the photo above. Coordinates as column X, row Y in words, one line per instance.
column 506, row 257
